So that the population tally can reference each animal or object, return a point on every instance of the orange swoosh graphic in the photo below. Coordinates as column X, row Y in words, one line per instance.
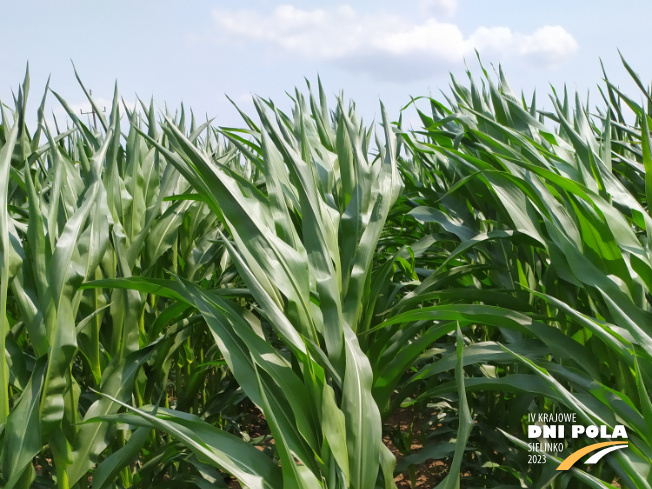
column 575, row 456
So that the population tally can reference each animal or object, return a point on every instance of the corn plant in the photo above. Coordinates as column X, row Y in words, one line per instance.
column 77, row 208
column 564, row 231
column 159, row 279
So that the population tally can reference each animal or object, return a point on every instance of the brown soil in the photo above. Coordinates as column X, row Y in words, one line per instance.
column 427, row 475
column 253, row 421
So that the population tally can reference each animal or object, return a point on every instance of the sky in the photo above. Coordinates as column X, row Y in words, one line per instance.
column 196, row 52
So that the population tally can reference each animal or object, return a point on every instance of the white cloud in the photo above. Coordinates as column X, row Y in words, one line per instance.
column 547, row 45
column 438, row 7
column 390, row 46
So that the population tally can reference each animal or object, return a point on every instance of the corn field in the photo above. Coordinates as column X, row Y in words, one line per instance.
column 308, row 301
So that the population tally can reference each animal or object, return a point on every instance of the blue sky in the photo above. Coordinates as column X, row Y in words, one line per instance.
column 198, row 51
